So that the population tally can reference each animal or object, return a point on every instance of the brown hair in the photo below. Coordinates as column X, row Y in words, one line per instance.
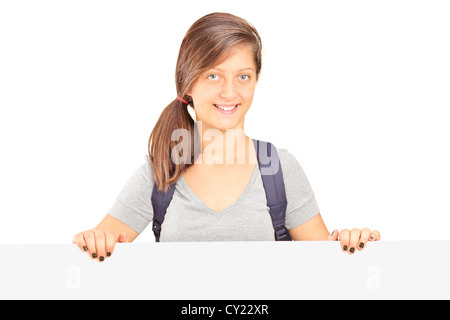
column 207, row 43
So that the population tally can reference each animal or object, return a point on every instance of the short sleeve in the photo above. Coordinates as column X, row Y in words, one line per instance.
column 133, row 205
column 301, row 201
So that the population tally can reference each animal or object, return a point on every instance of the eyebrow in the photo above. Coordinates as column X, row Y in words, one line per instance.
column 240, row 70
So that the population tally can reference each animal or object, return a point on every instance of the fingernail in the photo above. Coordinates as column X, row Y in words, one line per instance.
column 102, row 258
column 108, row 254
column 345, row 248
column 85, row 248
column 352, row 250
column 371, row 238
column 94, row 255
column 332, row 233
column 361, row 245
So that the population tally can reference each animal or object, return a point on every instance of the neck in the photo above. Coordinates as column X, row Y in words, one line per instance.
column 229, row 146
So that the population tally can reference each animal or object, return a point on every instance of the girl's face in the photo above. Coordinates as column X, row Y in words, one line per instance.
column 223, row 95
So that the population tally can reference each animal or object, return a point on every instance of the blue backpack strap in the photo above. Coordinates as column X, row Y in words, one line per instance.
column 160, row 202
column 272, row 178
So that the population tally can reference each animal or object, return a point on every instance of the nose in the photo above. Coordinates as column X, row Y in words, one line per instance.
column 228, row 90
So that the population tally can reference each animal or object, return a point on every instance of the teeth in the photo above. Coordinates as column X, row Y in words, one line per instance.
column 225, row 108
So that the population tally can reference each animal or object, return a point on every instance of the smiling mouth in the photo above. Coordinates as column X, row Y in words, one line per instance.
column 226, row 107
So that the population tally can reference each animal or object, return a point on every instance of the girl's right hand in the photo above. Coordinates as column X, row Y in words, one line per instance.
column 98, row 243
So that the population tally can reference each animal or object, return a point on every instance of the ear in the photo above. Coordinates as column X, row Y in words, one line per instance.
column 190, row 96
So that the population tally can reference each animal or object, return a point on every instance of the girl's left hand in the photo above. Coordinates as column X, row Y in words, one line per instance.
column 355, row 239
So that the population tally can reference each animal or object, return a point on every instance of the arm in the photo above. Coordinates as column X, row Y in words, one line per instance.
column 115, row 226
column 312, row 230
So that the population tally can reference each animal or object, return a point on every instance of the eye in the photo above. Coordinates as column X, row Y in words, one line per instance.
column 244, row 77
column 213, row 77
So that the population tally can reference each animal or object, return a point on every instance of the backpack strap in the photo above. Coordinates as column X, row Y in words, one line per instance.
column 160, row 202
column 272, row 178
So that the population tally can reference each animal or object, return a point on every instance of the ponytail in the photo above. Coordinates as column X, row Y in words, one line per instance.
column 161, row 146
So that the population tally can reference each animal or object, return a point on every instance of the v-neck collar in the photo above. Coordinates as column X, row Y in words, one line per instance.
column 203, row 206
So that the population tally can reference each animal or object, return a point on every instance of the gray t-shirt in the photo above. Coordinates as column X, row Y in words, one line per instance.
column 189, row 219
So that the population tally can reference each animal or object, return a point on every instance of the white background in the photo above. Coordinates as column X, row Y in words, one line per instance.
column 357, row 91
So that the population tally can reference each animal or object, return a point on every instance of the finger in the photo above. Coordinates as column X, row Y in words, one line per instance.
column 89, row 238
column 109, row 243
column 78, row 239
column 123, row 237
column 365, row 234
column 334, row 235
column 355, row 235
column 375, row 236
column 100, row 243
column 345, row 239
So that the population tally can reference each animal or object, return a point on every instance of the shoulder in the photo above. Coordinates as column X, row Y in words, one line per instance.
column 293, row 174
column 286, row 158
column 289, row 162
column 145, row 171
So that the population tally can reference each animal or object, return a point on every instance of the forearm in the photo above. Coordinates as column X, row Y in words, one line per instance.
column 115, row 226
column 313, row 230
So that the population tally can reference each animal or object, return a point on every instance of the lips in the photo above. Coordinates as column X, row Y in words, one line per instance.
column 226, row 109
column 225, row 105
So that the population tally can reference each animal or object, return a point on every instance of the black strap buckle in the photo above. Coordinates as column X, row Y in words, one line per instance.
column 156, row 229
column 282, row 234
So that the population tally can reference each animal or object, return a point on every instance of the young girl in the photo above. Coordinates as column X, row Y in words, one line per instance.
column 219, row 193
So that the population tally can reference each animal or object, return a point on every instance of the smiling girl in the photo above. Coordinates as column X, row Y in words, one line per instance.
column 219, row 194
